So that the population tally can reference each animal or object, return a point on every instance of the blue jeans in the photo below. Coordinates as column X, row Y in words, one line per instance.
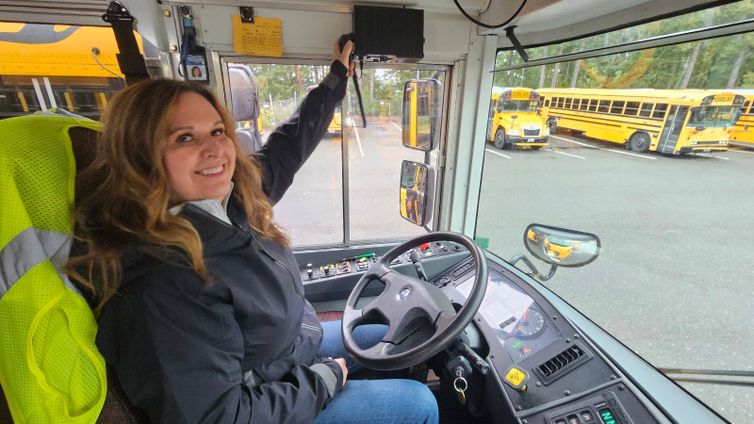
column 373, row 401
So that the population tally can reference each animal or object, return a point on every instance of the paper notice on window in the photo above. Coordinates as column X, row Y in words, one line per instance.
column 262, row 38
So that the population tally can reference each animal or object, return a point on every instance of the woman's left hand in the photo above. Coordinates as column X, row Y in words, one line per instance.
column 344, row 56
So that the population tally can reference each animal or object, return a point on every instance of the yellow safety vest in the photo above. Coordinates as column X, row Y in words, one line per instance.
column 50, row 369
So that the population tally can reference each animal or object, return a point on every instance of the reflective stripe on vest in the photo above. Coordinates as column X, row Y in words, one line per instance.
column 28, row 249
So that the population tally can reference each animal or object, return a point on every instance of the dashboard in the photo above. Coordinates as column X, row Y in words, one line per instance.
column 542, row 369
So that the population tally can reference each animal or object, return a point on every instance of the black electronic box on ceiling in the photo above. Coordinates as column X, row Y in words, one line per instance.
column 389, row 34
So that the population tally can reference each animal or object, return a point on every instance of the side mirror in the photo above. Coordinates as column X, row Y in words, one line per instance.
column 561, row 247
column 557, row 247
column 415, row 192
column 422, row 113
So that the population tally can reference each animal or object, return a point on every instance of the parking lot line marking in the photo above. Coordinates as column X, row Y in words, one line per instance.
column 746, row 152
column 568, row 154
column 396, row 126
column 630, row 154
column 358, row 141
column 497, row 153
column 710, row 156
column 603, row 149
column 574, row 142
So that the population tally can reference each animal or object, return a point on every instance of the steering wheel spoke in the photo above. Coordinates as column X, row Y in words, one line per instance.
column 377, row 270
column 378, row 351
column 443, row 321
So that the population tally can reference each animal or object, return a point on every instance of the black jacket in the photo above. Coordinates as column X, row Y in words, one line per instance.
column 243, row 348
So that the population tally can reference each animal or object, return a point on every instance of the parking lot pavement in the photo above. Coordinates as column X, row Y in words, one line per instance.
column 676, row 236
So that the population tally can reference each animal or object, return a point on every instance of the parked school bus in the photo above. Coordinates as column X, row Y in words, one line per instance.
column 46, row 66
column 742, row 134
column 515, row 119
column 652, row 329
column 667, row 121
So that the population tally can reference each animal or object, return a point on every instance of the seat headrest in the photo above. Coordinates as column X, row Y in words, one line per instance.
column 243, row 92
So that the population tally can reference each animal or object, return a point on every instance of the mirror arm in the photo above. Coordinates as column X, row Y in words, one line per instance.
column 520, row 257
column 534, row 271
column 550, row 273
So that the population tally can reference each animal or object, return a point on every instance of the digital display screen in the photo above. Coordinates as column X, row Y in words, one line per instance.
column 607, row 416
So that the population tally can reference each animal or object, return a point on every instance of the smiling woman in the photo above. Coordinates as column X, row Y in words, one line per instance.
column 199, row 156
column 178, row 222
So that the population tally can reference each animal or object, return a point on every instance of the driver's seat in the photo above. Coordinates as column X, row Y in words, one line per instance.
column 50, row 369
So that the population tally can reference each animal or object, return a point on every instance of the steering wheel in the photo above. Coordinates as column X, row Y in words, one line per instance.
column 420, row 318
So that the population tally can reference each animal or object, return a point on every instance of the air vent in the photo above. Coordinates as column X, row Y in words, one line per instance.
column 562, row 362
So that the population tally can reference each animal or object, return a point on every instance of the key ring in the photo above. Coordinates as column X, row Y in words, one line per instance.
column 456, row 384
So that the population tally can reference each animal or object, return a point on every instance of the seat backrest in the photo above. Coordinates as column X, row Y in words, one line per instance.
column 50, row 369
column 244, row 92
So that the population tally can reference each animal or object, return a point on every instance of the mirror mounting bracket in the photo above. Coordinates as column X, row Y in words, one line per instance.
column 534, row 271
column 516, row 44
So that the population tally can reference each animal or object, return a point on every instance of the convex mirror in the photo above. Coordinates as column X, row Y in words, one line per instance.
column 422, row 113
column 560, row 246
column 415, row 192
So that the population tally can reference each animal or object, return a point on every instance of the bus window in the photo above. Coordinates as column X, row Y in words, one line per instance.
column 646, row 109
column 61, row 74
column 617, row 107
column 584, row 104
column 592, row 105
column 568, row 103
column 745, row 108
column 632, row 108
column 604, row 106
column 374, row 155
column 660, row 110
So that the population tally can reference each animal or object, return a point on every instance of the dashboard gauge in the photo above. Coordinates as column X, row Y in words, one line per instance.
column 530, row 324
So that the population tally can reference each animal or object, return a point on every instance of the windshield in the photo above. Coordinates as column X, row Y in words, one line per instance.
column 517, row 106
column 671, row 204
column 713, row 116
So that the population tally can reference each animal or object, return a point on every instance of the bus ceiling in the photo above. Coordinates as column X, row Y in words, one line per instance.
column 542, row 22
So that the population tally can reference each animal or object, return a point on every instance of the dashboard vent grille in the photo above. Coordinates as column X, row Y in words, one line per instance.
column 561, row 361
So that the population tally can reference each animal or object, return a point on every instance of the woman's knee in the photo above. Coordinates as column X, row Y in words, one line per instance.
column 419, row 401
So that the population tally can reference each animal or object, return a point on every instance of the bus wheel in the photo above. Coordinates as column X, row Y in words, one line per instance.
column 639, row 142
column 500, row 140
column 536, row 147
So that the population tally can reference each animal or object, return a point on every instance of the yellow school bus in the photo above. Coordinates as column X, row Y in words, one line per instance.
column 45, row 66
column 742, row 134
column 515, row 119
column 667, row 121
column 420, row 126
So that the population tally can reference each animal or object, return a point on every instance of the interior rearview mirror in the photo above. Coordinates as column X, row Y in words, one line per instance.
column 560, row 246
column 415, row 192
column 422, row 112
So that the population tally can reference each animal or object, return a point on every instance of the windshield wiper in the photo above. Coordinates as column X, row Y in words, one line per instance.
column 742, row 378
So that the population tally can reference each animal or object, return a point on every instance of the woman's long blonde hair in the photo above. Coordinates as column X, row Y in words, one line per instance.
column 122, row 198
